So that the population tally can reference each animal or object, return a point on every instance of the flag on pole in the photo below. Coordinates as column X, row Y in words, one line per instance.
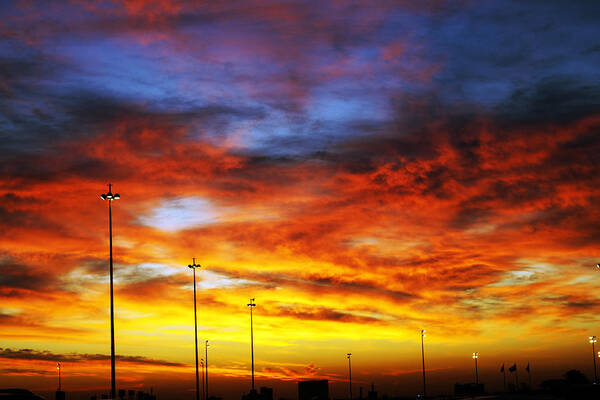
column 513, row 368
column 502, row 369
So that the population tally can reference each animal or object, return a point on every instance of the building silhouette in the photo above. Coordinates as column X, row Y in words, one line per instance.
column 313, row 390
column 372, row 395
column 266, row 393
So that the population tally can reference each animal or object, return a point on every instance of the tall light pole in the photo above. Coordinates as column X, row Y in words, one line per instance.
column 349, row 373
column 593, row 341
column 423, row 359
column 110, row 197
column 193, row 266
column 252, row 305
column 206, row 368
column 202, row 366
column 475, row 357
column 58, row 368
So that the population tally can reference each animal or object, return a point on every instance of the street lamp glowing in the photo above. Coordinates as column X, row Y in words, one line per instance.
column 423, row 360
column 193, row 266
column 110, row 197
column 593, row 341
column 475, row 357
column 348, row 355
column 58, row 368
column 252, row 305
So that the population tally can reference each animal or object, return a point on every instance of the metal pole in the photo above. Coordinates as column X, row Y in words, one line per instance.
column 59, row 377
column 504, row 373
column 594, row 357
column 206, row 367
column 202, row 365
column 113, row 388
column 423, row 359
column 350, row 375
column 252, row 344
column 196, row 333
column 476, row 373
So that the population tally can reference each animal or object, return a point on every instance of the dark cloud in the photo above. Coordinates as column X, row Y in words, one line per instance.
column 552, row 100
column 319, row 283
column 45, row 355
column 26, row 371
column 323, row 313
column 24, row 277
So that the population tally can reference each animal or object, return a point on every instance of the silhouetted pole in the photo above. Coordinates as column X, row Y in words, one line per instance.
column 202, row 366
column 58, row 368
column 252, row 305
column 504, row 376
column 350, row 373
column 475, row 357
column 423, row 359
column 193, row 266
column 113, row 389
column 206, row 367
column 593, row 341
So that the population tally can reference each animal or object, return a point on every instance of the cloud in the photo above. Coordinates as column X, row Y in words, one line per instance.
column 45, row 355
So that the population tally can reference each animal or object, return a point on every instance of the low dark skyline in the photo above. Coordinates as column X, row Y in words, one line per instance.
column 363, row 170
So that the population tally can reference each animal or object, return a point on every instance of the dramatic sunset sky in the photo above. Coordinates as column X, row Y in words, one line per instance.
column 363, row 169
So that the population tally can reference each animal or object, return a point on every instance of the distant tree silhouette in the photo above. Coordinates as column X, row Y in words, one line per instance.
column 576, row 377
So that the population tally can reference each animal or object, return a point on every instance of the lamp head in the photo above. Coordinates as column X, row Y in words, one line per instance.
column 110, row 196
column 423, row 332
column 593, row 339
column 475, row 355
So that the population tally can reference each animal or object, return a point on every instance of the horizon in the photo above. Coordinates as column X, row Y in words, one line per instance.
column 363, row 171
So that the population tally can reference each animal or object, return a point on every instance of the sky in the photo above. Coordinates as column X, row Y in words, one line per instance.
column 364, row 170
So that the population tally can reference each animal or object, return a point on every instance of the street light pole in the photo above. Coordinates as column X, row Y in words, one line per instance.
column 206, row 367
column 202, row 366
column 193, row 266
column 593, row 341
column 350, row 374
column 423, row 360
column 58, row 368
column 252, row 305
column 475, row 357
column 110, row 197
